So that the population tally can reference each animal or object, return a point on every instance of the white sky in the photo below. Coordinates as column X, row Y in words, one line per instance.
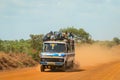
column 20, row 18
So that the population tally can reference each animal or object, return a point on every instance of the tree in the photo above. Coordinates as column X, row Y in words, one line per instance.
column 36, row 44
column 116, row 40
column 36, row 41
column 80, row 34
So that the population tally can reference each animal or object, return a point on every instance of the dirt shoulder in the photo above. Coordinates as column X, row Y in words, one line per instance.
column 14, row 61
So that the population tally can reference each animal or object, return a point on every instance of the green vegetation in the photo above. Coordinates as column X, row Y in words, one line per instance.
column 36, row 45
column 14, row 46
column 116, row 40
column 33, row 46
column 81, row 34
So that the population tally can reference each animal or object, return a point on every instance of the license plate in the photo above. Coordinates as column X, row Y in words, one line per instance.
column 51, row 63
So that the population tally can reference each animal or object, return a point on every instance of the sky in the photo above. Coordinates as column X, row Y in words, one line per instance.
column 20, row 18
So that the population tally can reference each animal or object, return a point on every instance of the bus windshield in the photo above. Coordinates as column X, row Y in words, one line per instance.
column 54, row 47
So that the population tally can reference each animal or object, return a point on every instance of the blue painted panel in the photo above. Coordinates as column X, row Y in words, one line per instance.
column 56, row 63
column 54, row 54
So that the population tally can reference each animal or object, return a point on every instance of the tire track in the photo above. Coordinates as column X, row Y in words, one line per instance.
column 109, row 71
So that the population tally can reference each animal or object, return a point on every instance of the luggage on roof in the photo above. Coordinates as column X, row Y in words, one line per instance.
column 57, row 36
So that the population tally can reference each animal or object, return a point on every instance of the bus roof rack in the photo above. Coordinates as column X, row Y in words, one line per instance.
column 58, row 36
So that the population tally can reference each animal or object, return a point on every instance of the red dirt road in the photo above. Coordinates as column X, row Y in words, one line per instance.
column 109, row 71
column 96, row 63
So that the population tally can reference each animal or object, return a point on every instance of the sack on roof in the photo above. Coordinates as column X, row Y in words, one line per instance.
column 57, row 36
column 47, row 36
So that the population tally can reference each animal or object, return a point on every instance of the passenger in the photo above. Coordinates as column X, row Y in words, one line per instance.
column 47, row 36
column 66, row 35
column 52, row 37
column 57, row 35
column 71, row 35
column 51, row 33
column 63, row 36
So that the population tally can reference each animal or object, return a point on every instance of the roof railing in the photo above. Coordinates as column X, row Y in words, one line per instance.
column 58, row 36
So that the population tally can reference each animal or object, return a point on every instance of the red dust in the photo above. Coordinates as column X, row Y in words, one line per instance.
column 92, row 55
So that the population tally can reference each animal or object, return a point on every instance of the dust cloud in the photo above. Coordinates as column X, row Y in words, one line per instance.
column 93, row 55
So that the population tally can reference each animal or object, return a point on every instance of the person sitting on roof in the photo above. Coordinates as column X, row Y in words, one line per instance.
column 47, row 36
column 52, row 37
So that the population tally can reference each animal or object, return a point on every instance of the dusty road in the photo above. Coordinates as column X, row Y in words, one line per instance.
column 109, row 71
column 96, row 63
